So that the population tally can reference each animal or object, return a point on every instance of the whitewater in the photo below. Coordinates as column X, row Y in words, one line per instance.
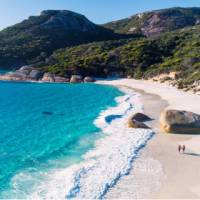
column 112, row 157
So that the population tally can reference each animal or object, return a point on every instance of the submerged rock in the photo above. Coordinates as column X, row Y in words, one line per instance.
column 47, row 113
column 177, row 121
column 140, row 117
column 136, row 124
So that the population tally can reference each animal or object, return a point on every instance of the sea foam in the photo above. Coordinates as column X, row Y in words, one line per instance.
column 113, row 155
column 111, row 158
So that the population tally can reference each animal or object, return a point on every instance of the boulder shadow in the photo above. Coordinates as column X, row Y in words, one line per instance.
column 193, row 154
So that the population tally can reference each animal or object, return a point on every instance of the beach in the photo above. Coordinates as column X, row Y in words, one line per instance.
column 160, row 171
column 106, row 159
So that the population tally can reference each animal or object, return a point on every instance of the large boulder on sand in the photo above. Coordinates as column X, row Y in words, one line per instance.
column 88, row 79
column 177, row 121
column 140, row 117
column 136, row 124
column 76, row 79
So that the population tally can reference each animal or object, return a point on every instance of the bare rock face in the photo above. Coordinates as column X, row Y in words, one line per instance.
column 25, row 73
column 48, row 77
column 67, row 20
column 140, row 117
column 76, row 79
column 89, row 79
column 26, row 68
column 183, row 122
column 14, row 76
column 158, row 21
column 136, row 124
column 168, row 20
column 35, row 74
column 60, row 79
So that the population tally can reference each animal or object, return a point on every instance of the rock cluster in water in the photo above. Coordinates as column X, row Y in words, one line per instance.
column 29, row 73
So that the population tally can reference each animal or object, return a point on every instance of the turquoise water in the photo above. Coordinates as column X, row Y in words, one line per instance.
column 46, row 126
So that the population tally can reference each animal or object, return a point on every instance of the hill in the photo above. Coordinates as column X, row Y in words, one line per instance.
column 176, row 51
column 156, row 22
column 38, row 36
column 171, row 44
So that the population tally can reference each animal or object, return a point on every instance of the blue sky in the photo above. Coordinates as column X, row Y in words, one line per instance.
column 98, row 11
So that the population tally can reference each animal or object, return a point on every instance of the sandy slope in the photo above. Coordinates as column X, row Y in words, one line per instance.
column 160, row 171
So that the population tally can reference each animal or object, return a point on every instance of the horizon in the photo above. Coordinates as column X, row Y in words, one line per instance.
column 96, row 11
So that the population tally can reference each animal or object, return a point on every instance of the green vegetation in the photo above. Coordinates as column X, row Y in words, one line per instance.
column 185, row 57
column 52, row 43
column 36, row 38
column 140, row 58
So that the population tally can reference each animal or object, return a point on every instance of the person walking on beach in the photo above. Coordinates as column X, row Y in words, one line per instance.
column 183, row 148
column 179, row 148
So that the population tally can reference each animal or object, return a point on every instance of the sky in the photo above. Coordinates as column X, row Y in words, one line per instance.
column 98, row 11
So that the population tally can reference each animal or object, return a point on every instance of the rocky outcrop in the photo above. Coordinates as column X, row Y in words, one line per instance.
column 66, row 20
column 60, row 79
column 28, row 73
column 76, row 79
column 176, row 79
column 25, row 73
column 35, row 74
column 177, row 121
column 48, row 77
column 156, row 22
column 13, row 76
column 27, row 68
column 89, row 79
column 140, row 117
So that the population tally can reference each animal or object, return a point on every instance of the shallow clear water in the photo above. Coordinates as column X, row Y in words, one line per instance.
column 46, row 126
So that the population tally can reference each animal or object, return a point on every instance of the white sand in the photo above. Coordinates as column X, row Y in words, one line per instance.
column 177, row 99
column 177, row 175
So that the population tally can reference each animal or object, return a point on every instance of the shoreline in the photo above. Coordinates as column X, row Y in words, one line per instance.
column 177, row 175
column 113, row 154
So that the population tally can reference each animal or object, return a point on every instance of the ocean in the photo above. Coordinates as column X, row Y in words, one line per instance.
column 65, row 140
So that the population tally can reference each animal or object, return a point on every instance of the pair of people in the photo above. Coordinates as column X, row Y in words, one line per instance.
column 181, row 147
